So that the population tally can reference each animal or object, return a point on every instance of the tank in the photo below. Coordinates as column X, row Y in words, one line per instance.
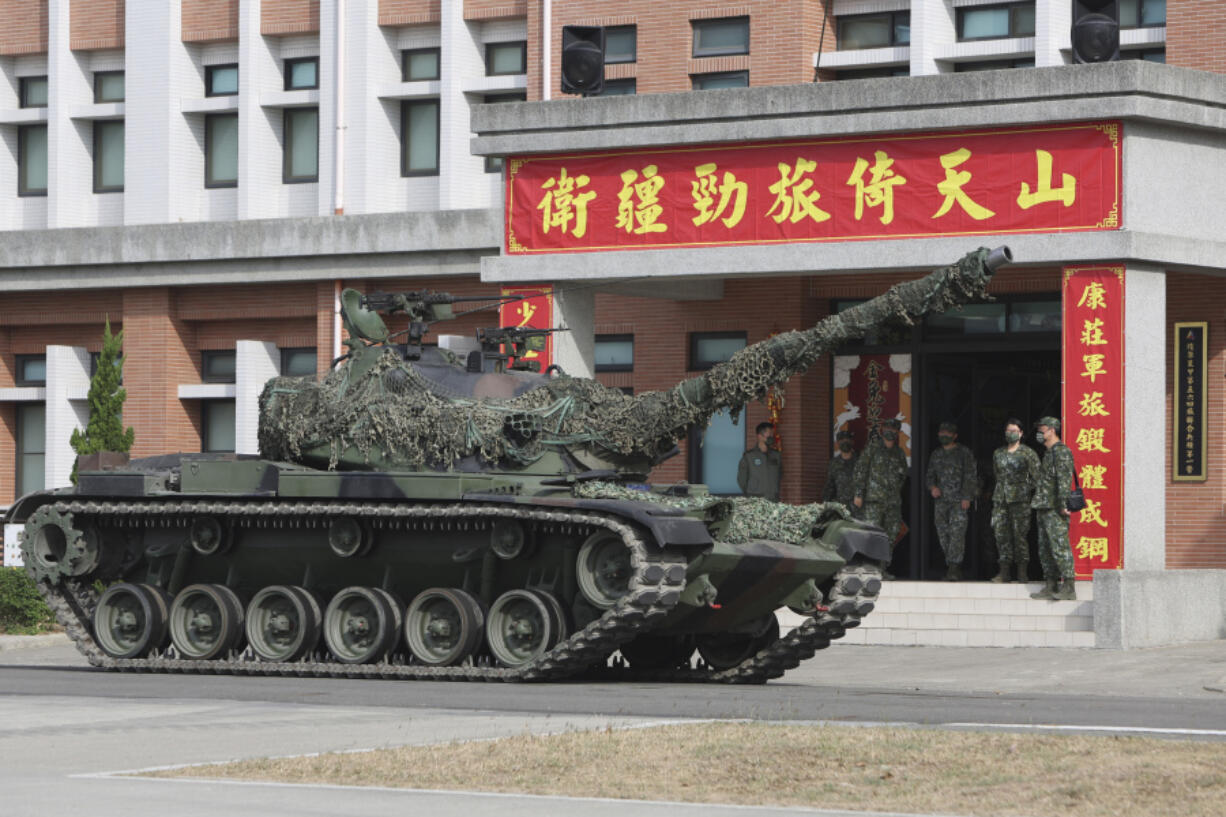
column 420, row 514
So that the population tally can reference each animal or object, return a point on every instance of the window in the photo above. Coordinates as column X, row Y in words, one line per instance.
column 872, row 73
column 108, row 86
column 971, row 319
column 493, row 164
column 620, row 44
column 419, row 64
column 31, row 447
column 709, row 348
column 1147, row 54
column 619, row 87
column 718, row 38
column 221, row 150
column 615, row 353
column 723, row 79
column 874, row 30
column 506, row 58
column 1142, row 13
column 33, row 92
column 993, row 22
column 301, row 159
column 220, row 80
column 108, row 156
column 217, row 425
column 217, row 366
column 94, row 357
column 991, row 65
column 1035, row 316
column 419, row 137
column 302, row 73
column 31, row 370
column 32, row 160
column 298, row 362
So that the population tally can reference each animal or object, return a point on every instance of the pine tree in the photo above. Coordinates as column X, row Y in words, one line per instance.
column 105, row 431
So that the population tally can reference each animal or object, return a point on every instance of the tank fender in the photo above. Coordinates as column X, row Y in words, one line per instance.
column 668, row 526
column 851, row 537
column 21, row 509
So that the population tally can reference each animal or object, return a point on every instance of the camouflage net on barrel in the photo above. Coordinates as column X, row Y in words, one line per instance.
column 390, row 415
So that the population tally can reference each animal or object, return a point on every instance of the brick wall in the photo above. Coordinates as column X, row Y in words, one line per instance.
column 1195, row 516
column 1194, row 31
column 783, row 36
column 279, row 17
column 409, row 12
column 494, row 9
column 205, row 21
column 95, row 24
column 25, row 27
column 158, row 357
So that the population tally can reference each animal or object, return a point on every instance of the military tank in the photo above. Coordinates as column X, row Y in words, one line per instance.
column 421, row 514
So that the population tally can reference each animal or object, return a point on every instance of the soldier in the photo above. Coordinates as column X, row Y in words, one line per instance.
column 840, row 475
column 880, row 473
column 1016, row 468
column 1051, row 514
column 953, row 484
column 761, row 466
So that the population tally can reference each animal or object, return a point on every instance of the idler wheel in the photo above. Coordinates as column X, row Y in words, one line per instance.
column 727, row 649
column 359, row 626
column 207, row 536
column 206, row 621
column 283, row 623
column 519, row 627
column 131, row 620
column 54, row 549
column 658, row 651
column 443, row 626
column 603, row 569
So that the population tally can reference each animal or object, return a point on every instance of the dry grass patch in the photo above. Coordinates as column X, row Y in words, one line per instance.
column 885, row 769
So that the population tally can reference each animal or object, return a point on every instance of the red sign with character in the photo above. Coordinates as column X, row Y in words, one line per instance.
column 534, row 310
column 1057, row 178
column 1094, row 411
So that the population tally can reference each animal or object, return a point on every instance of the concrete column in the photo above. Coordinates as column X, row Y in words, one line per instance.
column 260, row 193
column 932, row 28
column 329, row 78
column 255, row 364
column 574, row 308
column 371, row 124
column 1145, row 386
column 67, row 384
column 462, row 175
column 70, row 171
column 1052, row 22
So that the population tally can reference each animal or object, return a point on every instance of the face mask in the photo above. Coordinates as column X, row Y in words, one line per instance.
column 1013, row 436
column 945, row 439
column 1040, row 437
column 890, row 435
column 845, row 445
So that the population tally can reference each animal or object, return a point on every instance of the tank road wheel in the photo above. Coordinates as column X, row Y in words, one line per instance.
column 726, row 650
column 659, row 651
column 54, row 549
column 603, row 569
column 519, row 627
column 395, row 608
column 359, row 626
column 443, row 626
column 130, row 620
column 557, row 616
column 206, row 621
column 283, row 623
column 207, row 536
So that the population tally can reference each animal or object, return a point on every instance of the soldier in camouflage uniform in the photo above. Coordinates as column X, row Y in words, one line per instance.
column 953, row 484
column 1051, row 512
column 1016, row 468
column 879, row 476
column 840, row 474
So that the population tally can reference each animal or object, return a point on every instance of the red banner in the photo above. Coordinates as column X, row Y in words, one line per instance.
column 869, row 389
column 1057, row 178
column 1094, row 411
column 535, row 311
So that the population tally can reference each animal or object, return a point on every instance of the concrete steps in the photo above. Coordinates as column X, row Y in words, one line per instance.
column 972, row 614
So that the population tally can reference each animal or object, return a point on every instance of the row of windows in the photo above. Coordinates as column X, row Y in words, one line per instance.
column 893, row 28
column 216, row 366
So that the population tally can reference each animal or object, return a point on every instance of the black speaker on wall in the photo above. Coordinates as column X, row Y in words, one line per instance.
column 582, row 60
column 1096, row 31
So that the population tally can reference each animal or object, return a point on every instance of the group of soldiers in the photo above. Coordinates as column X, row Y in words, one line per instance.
column 870, row 483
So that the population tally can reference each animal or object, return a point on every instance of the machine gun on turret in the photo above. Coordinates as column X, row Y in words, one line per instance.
column 510, row 347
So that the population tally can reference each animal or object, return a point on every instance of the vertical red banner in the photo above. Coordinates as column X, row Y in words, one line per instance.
column 1094, row 411
column 533, row 311
column 869, row 389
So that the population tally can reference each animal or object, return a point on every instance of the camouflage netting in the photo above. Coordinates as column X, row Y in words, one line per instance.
column 391, row 417
column 749, row 517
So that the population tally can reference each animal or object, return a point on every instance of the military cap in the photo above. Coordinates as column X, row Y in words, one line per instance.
column 950, row 427
column 892, row 423
column 1050, row 422
column 844, row 435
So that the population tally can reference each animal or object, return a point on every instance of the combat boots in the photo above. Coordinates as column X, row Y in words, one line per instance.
column 1022, row 570
column 1048, row 592
column 1003, row 575
column 954, row 573
column 1067, row 591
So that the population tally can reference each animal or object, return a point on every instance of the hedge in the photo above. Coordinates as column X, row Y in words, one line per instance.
column 22, row 610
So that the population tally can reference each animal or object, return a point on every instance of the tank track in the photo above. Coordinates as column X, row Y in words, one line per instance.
column 655, row 589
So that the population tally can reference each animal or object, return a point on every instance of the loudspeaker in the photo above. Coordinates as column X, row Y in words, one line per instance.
column 1096, row 31
column 582, row 60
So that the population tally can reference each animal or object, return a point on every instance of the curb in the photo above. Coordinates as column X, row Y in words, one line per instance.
column 23, row 642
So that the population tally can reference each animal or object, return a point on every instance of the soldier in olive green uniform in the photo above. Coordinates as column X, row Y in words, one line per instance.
column 880, row 474
column 761, row 467
column 1016, row 468
column 1051, row 513
column 840, row 475
column 953, row 484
